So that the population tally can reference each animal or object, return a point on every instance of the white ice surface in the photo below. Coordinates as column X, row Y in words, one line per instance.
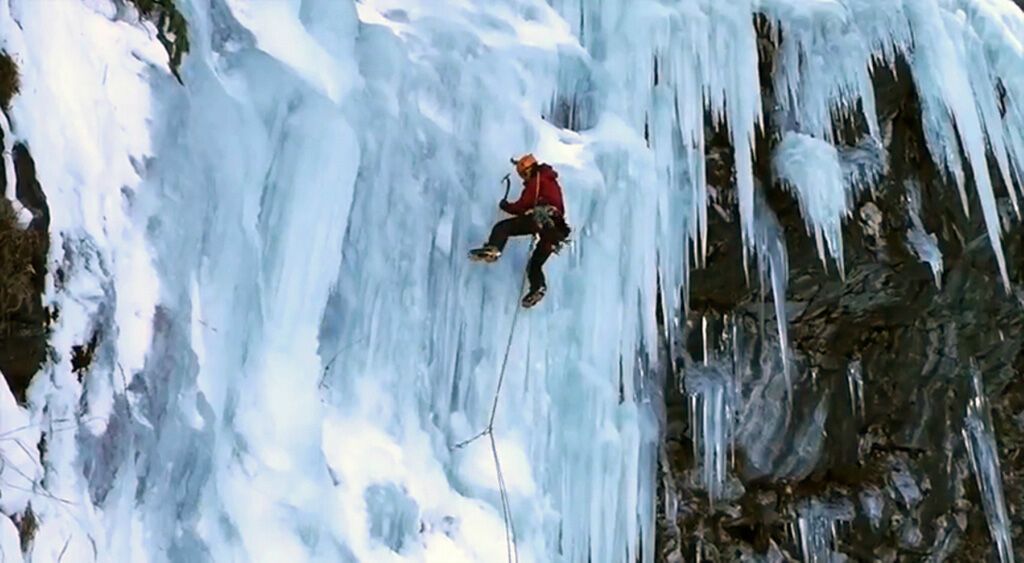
column 273, row 254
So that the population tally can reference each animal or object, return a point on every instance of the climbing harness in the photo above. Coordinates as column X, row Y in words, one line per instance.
column 544, row 215
column 547, row 217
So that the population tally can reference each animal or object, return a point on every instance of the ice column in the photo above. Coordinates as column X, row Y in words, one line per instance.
column 817, row 522
column 711, row 392
column 981, row 445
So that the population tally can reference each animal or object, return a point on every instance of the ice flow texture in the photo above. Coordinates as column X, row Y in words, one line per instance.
column 274, row 252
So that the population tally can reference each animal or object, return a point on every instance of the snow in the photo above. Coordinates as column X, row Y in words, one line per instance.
column 10, row 545
column 273, row 256
column 19, row 465
column 86, row 104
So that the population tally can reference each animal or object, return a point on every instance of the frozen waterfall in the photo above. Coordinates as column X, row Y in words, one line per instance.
column 271, row 255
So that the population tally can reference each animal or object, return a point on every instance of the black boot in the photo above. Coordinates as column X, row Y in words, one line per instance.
column 486, row 253
column 534, row 297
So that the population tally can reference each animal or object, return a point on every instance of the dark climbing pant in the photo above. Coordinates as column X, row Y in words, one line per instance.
column 550, row 236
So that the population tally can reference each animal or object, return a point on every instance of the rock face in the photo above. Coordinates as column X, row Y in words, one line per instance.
column 23, row 249
column 871, row 455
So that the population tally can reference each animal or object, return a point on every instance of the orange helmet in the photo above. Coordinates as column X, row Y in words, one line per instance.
column 524, row 164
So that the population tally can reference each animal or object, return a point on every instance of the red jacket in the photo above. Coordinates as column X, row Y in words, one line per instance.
column 540, row 189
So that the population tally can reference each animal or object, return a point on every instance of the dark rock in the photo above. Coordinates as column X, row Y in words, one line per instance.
column 24, row 320
column 896, row 455
column 10, row 80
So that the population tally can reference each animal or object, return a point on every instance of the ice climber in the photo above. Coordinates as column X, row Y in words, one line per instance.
column 539, row 211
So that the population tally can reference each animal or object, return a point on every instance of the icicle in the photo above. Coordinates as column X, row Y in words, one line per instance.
column 979, row 436
column 985, row 99
column 811, row 169
column 807, row 545
column 872, row 504
column 855, row 380
column 773, row 262
column 864, row 164
column 711, row 396
column 704, row 335
column 948, row 98
column 816, row 523
column 293, row 132
column 924, row 244
column 746, row 269
column 734, row 354
column 695, row 431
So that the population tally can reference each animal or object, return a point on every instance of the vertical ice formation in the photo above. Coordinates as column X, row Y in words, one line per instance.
column 903, row 481
column 662, row 68
column 773, row 266
column 994, row 31
column 85, row 112
column 863, row 164
column 776, row 441
column 273, row 251
column 966, row 63
column 711, row 390
column 825, row 181
column 924, row 244
column 811, row 169
column 872, row 505
column 817, row 523
column 823, row 65
column 958, row 99
column 979, row 436
column 855, row 381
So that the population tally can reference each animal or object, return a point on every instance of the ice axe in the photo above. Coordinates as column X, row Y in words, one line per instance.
column 508, row 185
column 507, row 180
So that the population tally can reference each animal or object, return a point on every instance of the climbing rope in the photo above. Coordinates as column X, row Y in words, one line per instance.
column 506, row 509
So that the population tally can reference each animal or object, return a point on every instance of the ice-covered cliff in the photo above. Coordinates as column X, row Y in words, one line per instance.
column 262, row 337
